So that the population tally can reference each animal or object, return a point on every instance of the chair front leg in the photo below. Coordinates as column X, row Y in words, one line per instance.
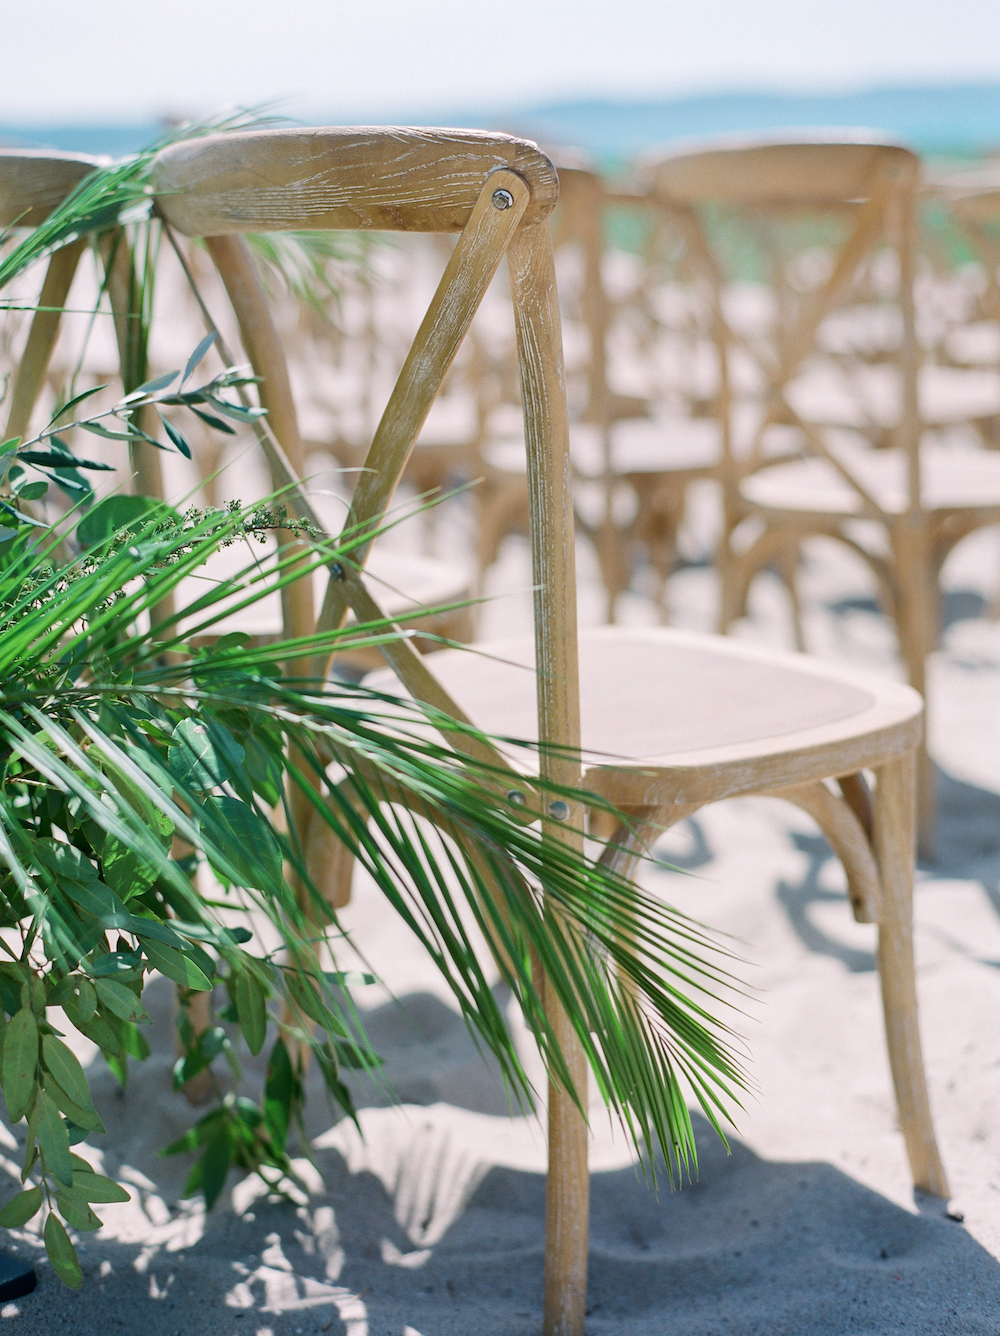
column 894, row 828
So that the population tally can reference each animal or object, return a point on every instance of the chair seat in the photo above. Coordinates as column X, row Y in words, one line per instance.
column 873, row 395
column 952, row 478
column 671, row 716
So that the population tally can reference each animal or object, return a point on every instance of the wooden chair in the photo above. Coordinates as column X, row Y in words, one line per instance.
column 924, row 496
column 618, row 439
column 671, row 721
column 657, row 454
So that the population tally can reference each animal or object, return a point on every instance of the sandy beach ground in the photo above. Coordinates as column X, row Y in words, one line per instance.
column 432, row 1223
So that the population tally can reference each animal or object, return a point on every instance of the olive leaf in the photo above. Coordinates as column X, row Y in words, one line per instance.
column 20, row 1060
column 61, row 1252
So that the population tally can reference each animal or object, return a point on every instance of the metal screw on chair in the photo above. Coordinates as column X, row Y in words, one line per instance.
column 516, row 797
column 558, row 810
column 337, row 571
column 502, row 199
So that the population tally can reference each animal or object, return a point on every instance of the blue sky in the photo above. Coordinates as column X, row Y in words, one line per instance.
column 131, row 59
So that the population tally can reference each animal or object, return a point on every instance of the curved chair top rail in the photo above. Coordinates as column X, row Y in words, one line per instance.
column 569, row 161
column 807, row 167
column 393, row 179
column 977, row 206
column 34, row 180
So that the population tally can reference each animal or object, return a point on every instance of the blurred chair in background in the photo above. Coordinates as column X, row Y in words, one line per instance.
column 834, row 349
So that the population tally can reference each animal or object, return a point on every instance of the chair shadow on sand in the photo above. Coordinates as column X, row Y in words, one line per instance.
column 967, row 846
column 753, row 1247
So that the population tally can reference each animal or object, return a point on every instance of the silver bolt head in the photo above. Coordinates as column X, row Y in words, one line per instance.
column 558, row 810
column 516, row 797
column 503, row 199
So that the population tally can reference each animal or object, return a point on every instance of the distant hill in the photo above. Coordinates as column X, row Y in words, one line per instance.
column 961, row 120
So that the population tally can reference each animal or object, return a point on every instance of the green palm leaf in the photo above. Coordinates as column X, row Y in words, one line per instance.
column 89, row 710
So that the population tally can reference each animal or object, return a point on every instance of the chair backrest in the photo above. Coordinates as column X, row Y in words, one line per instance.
column 34, row 181
column 497, row 192
column 365, row 178
column 809, row 167
column 865, row 180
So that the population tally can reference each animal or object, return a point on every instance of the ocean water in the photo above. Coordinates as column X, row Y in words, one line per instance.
column 953, row 121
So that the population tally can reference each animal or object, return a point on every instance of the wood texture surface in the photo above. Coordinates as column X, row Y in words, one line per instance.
column 550, row 494
column 468, row 274
column 382, row 178
column 264, row 348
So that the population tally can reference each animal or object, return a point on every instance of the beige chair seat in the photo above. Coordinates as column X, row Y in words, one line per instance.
column 952, row 479
column 873, row 394
column 673, row 717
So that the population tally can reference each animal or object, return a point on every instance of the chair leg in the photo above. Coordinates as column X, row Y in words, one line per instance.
column 788, row 568
column 894, row 817
column 567, row 1191
column 917, row 620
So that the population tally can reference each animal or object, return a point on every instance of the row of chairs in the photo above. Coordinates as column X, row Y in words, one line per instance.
column 663, row 722
column 826, row 397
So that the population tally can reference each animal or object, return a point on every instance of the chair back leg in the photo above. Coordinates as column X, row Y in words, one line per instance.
column 34, row 363
column 532, row 275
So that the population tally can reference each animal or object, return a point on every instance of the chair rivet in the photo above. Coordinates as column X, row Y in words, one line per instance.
column 337, row 571
column 516, row 797
column 559, row 810
column 503, row 199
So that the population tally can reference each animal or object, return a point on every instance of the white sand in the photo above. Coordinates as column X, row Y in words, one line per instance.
column 434, row 1223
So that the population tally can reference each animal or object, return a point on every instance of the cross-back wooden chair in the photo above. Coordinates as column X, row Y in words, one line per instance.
column 975, row 205
column 657, row 454
column 670, row 721
column 862, row 461
column 617, row 439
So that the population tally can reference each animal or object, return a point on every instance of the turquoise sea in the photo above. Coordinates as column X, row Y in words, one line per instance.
column 953, row 121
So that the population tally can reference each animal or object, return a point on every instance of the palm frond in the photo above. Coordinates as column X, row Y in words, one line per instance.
column 131, row 750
